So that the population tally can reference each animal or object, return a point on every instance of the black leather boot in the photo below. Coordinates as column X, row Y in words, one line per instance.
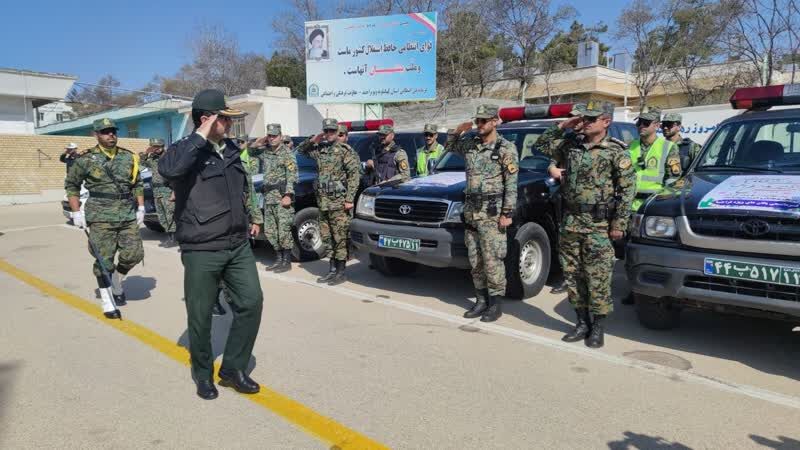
column 238, row 380
column 277, row 263
column 559, row 288
column 286, row 262
column 595, row 339
column 331, row 272
column 582, row 327
column 480, row 304
column 206, row 390
column 494, row 311
column 339, row 277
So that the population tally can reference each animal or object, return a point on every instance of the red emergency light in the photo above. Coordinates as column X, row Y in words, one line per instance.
column 765, row 96
column 366, row 125
column 531, row 112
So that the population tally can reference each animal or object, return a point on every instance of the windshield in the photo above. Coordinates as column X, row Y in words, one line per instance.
column 304, row 162
column 529, row 158
column 771, row 145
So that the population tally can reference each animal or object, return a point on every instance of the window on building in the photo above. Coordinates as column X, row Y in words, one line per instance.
column 60, row 117
column 133, row 130
column 237, row 127
column 39, row 116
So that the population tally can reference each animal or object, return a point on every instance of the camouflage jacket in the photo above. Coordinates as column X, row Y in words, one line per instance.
column 280, row 172
column 491, row 169
column 596, row 174
column 150, row 161
column 338, row 173
column 113, row 184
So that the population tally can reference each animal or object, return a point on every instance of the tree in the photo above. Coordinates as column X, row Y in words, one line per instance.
column 104, row 95
column 286, row 70
column 562, row 50
column 526, row 25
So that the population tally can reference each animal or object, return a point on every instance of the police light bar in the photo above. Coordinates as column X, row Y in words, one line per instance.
column 530, row 112
column 765, row 96
column 366, row 125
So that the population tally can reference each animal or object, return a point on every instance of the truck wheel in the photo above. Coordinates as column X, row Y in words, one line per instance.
column 308, row 244
column 392, row 267
column 154, row 226
column 528, row 264
column 656, row 314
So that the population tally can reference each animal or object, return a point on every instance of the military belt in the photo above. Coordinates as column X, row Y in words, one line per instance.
column 598, row 211
column 159, row 185
column 482, row 196
column 281, row 186
column 110, row 196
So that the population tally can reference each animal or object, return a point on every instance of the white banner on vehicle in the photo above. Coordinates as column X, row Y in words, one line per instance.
column 772, row 193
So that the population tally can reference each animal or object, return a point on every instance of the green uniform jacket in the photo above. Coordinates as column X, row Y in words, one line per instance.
column 280, row 173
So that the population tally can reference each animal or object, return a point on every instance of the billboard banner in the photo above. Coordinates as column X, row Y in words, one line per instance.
column 371, row 59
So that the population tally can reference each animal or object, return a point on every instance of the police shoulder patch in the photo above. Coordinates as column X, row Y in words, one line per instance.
column 651, row 163
column 404, row 164
column 624, row 163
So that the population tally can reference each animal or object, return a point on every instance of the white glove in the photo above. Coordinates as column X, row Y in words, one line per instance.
column 78, row 220
column 140, row 215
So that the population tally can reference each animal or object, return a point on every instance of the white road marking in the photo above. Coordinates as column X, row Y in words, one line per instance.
column 38, row 227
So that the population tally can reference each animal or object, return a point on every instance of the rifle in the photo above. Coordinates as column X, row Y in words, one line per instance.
column 103, row 271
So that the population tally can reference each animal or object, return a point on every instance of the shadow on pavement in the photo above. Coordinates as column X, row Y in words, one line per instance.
column 8, row 371
column 783, row 442
column 644, row 442
column 138, row 288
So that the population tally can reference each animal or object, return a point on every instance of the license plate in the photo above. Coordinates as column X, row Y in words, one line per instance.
column 398, row 243
column 788, row 276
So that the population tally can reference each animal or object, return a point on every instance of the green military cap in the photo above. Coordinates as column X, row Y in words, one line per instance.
column 274, row 129
column 672, row 117
column 578, row 109
column 650, row 113
column 385, row 129
column 102, row 124
column 330, row 124
column 486, row 112
column 156, row 142
column 342, row 128
column 597, row 108
column 430, row 128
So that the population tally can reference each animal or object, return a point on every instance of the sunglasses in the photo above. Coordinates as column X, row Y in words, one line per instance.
column 108, row 131
column 342, row 134
column 429, row 135
column 481, row 121
column 589, row 119
column 643, row 123
column 668, row 124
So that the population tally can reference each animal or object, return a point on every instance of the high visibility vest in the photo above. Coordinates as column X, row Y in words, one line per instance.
column 423, row 157
column 650, row 178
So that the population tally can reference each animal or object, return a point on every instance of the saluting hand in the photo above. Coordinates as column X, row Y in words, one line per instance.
column 205, row 128
column 572, row 122
column 260, row 142
column 464, row 127
column 317, row 139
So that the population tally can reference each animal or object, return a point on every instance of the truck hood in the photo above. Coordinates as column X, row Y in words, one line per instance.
column 449, row 185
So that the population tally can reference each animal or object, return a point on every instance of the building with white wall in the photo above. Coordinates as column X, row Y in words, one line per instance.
column 22, row 92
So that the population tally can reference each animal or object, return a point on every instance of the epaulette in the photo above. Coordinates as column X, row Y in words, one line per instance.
column 618, row 142
column 85, row 151
column 124, row 150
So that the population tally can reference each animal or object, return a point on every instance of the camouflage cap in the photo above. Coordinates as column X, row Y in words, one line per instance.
column 650, row 113
column 385, row 129
column 486, row 112
column 329, row 124
column 102, row 124
column 274, row 129
column 430, row 128
column 672, row 117
column 342, row 128
column 156, row 142
column 578, row 109
column 597, row 108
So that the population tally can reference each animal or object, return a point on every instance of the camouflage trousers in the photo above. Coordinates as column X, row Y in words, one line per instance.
column 165, row 208
column 587, row 260
column 487, row 247
column 278, row 226
column 334, row 228
column 116, row 238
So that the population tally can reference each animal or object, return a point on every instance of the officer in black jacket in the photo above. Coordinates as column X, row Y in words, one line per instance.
column 215, row 214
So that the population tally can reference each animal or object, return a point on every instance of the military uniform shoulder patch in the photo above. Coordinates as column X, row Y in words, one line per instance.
column 674, row 166
column 512, row 168
column 403, row 164
column 624, row 163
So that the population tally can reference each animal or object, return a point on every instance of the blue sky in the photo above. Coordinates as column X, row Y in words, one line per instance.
column 135, row 40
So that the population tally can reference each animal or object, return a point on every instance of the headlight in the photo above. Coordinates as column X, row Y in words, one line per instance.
column 366, row 205
column 454, row 214
column 635, row 229
column 659, row 227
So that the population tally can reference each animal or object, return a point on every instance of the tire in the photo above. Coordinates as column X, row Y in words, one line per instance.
column 528, row 266
column 656, row 314
column 308, row 244
column 392, row 267
column 154, row 226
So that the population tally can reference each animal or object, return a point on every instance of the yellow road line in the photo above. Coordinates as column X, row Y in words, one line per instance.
column 324, row 428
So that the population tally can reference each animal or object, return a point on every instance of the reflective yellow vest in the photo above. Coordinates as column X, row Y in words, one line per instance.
column 650, row 178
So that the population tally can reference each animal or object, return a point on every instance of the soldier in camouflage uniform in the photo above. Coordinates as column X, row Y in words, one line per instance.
column 656, row 160
column 491, row 164
column 687, row 148
column 162, row 194
column 335, row 189
column 111, row 174
column 391, row 161
column 598, row 186
column 280, row 175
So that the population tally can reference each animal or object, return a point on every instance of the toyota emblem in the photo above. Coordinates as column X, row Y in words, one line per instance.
column 405, row 210
column 755, row 227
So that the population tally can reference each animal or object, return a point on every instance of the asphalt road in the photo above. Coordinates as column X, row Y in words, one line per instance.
column 389, row 360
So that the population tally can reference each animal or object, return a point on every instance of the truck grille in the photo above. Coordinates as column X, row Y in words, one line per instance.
column 780, row 229
column 751, row 288
column 416, row 210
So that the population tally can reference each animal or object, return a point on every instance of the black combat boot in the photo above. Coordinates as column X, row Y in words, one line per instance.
column 338, row 277
column 560, row 287
column 480, row 304
column 278, row 261
column 331, row 272
column 595, row 339
column 582, row 327
column 494, row 311
column 286, row 262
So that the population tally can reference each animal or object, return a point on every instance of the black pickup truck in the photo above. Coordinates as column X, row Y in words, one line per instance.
column 419, row 221
column 726, row 236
